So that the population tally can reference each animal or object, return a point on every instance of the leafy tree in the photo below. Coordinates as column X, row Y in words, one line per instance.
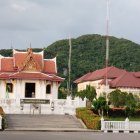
column 123, row 99
column 89, row 93
column 81, row 94
column 62, row 93
column 100, row 105
column 130, row 101
column 116, row 98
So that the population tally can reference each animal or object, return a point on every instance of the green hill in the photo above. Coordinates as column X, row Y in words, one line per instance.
column 88, row 54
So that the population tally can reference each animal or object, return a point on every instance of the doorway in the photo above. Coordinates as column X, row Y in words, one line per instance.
column 29, row 90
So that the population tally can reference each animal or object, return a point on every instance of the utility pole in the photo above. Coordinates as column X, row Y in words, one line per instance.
column 69, row 67
column 107, row 51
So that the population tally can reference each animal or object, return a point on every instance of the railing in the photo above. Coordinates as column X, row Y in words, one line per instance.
column 57, row 106
column 120, row 125
column 7, row 101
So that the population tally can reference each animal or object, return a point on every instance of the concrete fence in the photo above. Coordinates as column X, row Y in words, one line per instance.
column 117, row 126
column 56, row 106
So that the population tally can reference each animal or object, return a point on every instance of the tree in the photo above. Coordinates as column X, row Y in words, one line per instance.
column 89, row 93
column 100, row 105
column 81, row 94
column 123, row 99
column 117, row 98
column 62, row 93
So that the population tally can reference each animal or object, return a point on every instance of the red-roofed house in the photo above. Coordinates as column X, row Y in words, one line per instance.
column 117, row 79
column 27, row 75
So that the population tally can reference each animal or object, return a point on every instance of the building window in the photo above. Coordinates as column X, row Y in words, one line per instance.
column 48, row 89
column 9, row 87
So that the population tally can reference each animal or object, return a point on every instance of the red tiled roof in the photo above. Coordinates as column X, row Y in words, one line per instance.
column 7, row 64
column 20, row 57
column 110, row 72
column 50, row 67
column 4, row 76
column 81, row 79
column 30, row 76
column 57, row 78
column 18, row 64
column 35, row 76
column 137, row 74
column 127, row 79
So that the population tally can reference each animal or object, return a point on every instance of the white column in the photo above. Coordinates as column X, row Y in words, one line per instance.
column 0, row 122
column 22, row 89
column 102, row 124
column 3, row 89
column 43, row 90
column 55, row 90
column 37, row 89
column 126, row 124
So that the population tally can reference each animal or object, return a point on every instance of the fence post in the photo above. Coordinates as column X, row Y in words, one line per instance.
column 126, row 124
column 102, row 124
column 0, row 122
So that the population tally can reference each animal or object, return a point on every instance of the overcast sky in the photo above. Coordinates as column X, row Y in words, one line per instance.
column 42, row 22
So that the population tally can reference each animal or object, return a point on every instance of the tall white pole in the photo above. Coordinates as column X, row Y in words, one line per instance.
column 69, row 65
column 107, row 50
column 107, row 42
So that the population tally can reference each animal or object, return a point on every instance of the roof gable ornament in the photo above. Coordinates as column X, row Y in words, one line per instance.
column 29, row 63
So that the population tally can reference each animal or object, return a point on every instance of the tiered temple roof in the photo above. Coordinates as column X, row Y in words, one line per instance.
column 28, row 65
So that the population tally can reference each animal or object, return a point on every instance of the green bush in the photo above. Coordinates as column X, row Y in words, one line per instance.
column 91, row 120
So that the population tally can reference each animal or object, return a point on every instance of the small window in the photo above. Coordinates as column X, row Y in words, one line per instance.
column 48, row 89
column 9, row 87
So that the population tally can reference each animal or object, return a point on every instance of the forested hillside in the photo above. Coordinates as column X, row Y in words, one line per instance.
column 88, row 54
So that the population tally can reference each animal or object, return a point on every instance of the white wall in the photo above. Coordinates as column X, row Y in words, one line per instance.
column 100, row 89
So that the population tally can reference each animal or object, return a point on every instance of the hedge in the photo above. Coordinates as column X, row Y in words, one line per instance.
column 121, row 112
column 91, row 120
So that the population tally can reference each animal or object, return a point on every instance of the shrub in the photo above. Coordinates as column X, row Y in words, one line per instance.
column 91, row 120
column 124, row 112
column 116, row 112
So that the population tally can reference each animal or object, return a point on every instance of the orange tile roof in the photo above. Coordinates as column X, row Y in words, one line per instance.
column 20, row 64
column 31, row 76
column 20, row 57
column 7, row 64
column 4, row 76
column 49, row 67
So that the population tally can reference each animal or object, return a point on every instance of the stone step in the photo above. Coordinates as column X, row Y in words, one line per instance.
column 19, row 121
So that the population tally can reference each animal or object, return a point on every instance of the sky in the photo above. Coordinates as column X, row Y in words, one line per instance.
column 42, row 22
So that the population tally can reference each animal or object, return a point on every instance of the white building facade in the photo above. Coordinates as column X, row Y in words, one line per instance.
column 29, row 84
column 117, row 79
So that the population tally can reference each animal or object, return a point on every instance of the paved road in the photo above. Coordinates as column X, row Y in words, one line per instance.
column 19, row 135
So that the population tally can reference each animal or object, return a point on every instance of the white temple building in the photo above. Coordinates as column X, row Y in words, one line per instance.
column 29, row 84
